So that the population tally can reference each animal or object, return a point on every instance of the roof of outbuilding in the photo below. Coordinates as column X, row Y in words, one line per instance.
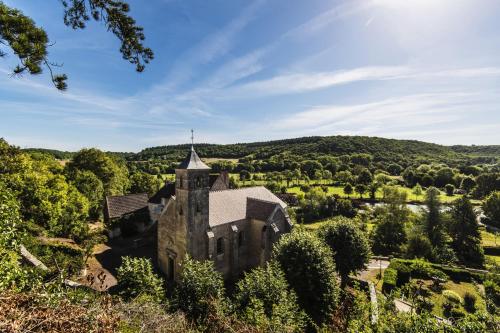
column 232, row 205
column 193, row 162
column 120, row 205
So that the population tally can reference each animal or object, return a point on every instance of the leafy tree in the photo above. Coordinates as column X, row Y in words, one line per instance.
column 487, row 183
column 467, row 184
column 373, row 188
column 198, row 287
column 136, row 277
column 92, row 188
column 390, row 235
column 350, row 247
column 418, row 246
column 491, row 208
column 110, row 170
column 10, row 219
column 30, row 43
column 417, row 191
column 449, row 188
column 345, row 177
column 395, row 169
column 141, row 182
column 433, row 223
column 365, row 177
column 244, row 175
column 360, row 189
column 348, row 189
column 310, row 272
column 310, row 167
column 444, row 176
column 266, row 290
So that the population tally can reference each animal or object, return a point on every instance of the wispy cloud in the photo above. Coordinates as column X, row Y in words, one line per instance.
column 304, row 82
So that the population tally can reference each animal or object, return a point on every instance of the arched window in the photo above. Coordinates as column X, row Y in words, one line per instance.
column 198, row 182
column 198, row 208
column 220, row 245
column 181, row 182
column 263, row 237
column 181, row 211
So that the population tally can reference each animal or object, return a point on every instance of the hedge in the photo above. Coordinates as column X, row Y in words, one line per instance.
column 390, row 280
column 59, row 256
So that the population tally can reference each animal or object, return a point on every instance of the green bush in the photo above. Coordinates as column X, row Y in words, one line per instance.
column 390, row 280
column 199, row 288
column 136, row 278
column 452, row 296
column 457, row 313
column 470, row 302
column 59, row 256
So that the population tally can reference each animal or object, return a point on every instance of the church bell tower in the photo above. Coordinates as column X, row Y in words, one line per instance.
column 192, row 192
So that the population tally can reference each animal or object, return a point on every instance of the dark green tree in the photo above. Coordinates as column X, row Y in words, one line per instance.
column 464, row 231
column 30, row 43
column 365, row 177
column 348, row 189
column 418, row 246
column 349, row 245
column 433, row 221
column 491, row 208
column 467, row 184
column 390, row 235
column 310, row 272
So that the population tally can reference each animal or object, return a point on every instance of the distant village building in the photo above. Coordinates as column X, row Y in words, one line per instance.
column 235, row 228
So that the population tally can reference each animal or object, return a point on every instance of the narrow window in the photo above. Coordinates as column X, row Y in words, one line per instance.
column 263, row 239
column 170, row 269
column 198, row 182
column 220, row 245
column 181, row 181
column 240, row 239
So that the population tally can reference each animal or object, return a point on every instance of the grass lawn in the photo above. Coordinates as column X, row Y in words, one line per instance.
column 460, row 288
column 488, row 239
column 339, row 190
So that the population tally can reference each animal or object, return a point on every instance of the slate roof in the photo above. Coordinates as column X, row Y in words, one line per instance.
column 193, row 162
column 231, row 205
column 166, row 192
column 117, row 206
column 260, row 209
column 219, row 182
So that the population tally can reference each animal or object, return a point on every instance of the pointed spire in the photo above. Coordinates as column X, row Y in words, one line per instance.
column 192, row 160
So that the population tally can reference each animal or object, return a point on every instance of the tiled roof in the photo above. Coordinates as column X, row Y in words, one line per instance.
column 193, row 161
column 166, row 192
column 118, row 206
column 231, row 205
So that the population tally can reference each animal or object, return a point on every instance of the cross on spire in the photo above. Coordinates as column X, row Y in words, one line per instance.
column 192, row 138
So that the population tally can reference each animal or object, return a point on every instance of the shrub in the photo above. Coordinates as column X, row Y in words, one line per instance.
column 452, row 296
column 419, row 246
column 199, row 287
column 136, row 277
column 310, row 272
column 390, row 280
column 263, row 293
column 457, row 313
column 470, row 302
column 59, row 256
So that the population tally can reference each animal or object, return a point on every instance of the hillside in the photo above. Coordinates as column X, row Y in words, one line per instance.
column 380, row 148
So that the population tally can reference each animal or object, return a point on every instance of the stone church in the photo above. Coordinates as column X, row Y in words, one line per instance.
column 235, row 228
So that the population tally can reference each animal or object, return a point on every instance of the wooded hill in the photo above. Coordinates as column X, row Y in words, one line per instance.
column 380, row 148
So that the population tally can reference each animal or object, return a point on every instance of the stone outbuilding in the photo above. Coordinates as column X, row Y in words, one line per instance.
column 235, row 228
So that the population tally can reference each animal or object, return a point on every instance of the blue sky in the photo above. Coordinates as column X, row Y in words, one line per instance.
column 243, row 70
